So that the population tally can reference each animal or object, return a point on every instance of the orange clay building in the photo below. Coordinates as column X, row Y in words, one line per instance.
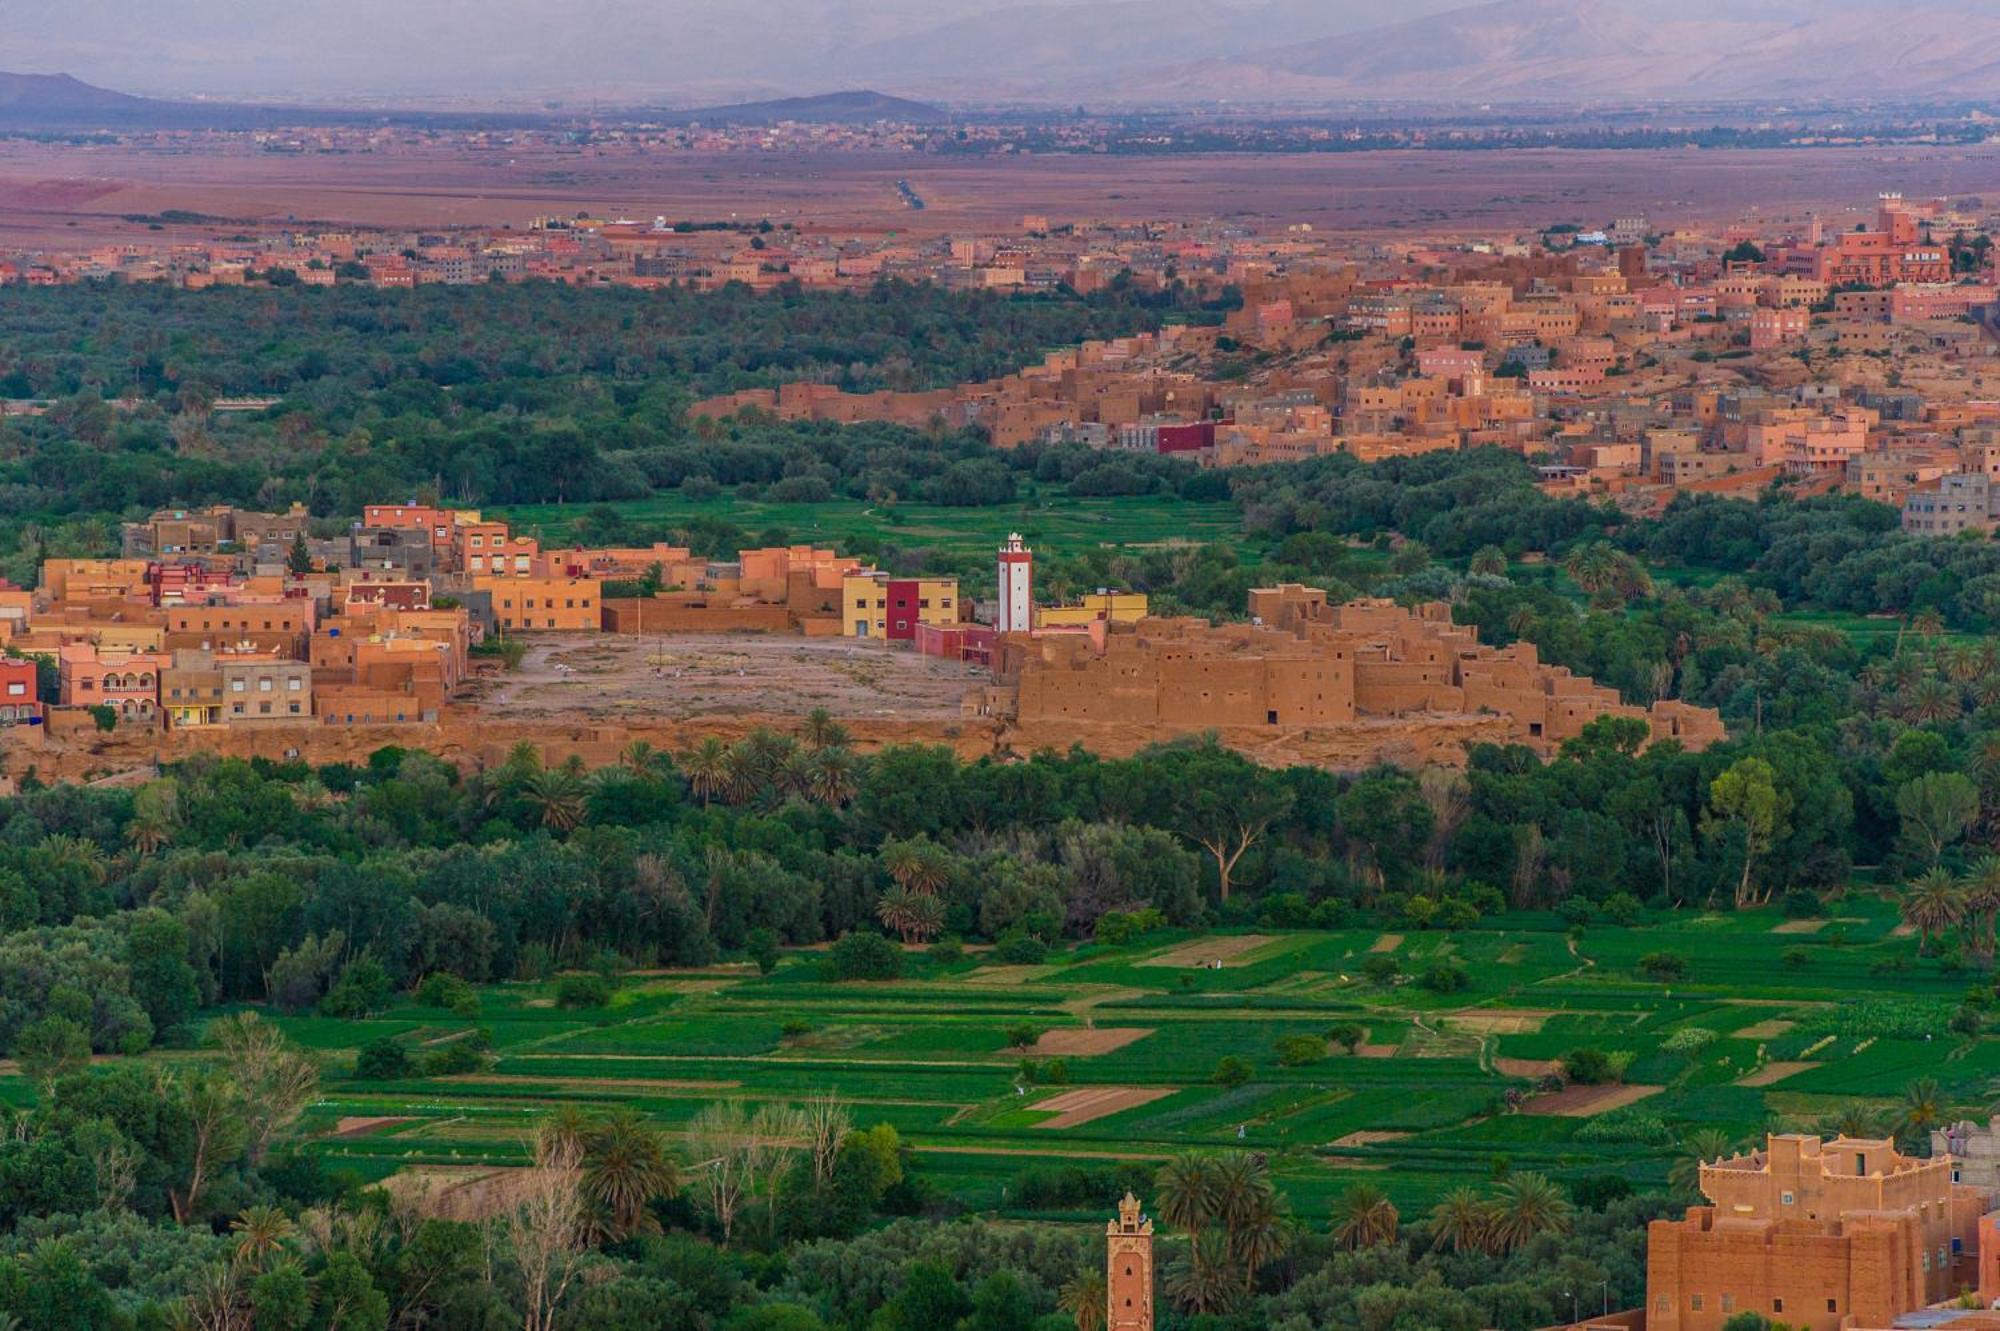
column 571, row 605
column 1820, row 1235
column 1302, row 663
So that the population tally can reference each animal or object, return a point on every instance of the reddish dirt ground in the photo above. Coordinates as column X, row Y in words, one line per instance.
column 61, row 194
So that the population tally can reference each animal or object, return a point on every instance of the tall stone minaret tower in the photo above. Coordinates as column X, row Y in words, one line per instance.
column 1128, row 1269
column 1017, row 575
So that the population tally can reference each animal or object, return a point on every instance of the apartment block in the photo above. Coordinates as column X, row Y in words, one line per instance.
column 570, row 605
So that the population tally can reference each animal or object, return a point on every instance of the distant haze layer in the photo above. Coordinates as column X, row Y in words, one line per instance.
column 685, row 52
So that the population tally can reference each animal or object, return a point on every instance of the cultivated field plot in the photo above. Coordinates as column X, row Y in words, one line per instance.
column 1057, row 524
column 1105, row 1058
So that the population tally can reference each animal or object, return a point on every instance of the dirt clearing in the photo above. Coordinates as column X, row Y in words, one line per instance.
column 1368, row 1138
column 1800, row 927
column 1531, row 1068
column 1074, row 1108
column 1773, row 1073
column 1074, row 1041
column 1499, row 1021
column 1208, row 951
column 356, row 1125
column 1765, row 1030
column 1587, row 1101
column 1387, row 943
column 621, row 677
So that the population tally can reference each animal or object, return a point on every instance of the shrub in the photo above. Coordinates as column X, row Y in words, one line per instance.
column 1115, row 927
column 1055, row 1072
column 382, row 1060
column 105, row 716
column 865, row 956
column 1296, row 1051
column 762, row 945
column 1348, row 1035
column 1802, row 903
column 1446, row 977
column 1020, row 949
column 1023, row 1035
column 1232, row 1071
column 1576, row 911
column 1623, row 909
column 362, row 988
column 1688, row 1040
column 947, row 952
column 793, row 1027
column 1796, row 958
column 451, row 1060
column 1381, row 968
column 1455, row 914
column 1625, row 1126
column 1587, row 1067
column 1663, row 965
column 581, row 991
column 449, row 993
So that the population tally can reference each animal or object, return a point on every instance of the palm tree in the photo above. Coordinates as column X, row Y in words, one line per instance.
column 1259, row 1234
column 1922, row 1109
column 559, row 797
column 821, row 731
column 522, row 759
column 78, row 853
column 1981, row 886
column 638, row 758
column 1462, row 1221
column 1932, row 903
column 626, row 1167
column 742, row 776
column 1856, row 1120
column 1529, row 1205
column 1928, row 701
column 1927, row 622
column 1205, row 1281
column 897, row 910
column 1489, row 560
column 794, row 777
column 836, row 775
column 260, row 1232
column 1364, row 1217
column 919, row 865
column 1188, row 1192
column 707, row 768
column 1085, row 1298
column 1703, row 1146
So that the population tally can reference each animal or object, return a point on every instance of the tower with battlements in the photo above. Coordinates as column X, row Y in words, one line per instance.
column 1128, row 1269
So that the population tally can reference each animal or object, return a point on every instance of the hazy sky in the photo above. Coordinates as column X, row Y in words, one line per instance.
column 318, row 47
column 689, row 50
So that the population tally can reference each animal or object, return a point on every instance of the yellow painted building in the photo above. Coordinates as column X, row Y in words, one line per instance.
column 875, row 605
column 1113, row 607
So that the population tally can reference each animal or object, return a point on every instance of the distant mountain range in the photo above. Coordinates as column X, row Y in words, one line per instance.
column 833, row 108
column 1131, row 52
column 1632, row 50
column 58, row 102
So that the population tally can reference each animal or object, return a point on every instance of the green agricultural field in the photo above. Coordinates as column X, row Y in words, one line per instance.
column 1050, row 520
column 1107, row 1057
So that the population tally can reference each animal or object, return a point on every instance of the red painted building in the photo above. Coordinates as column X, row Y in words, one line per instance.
column 18, row 701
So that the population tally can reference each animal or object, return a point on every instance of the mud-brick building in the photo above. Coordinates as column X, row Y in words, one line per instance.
column 1824, row 1235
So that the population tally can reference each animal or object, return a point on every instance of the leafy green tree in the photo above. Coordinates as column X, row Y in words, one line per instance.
column 1745, row 799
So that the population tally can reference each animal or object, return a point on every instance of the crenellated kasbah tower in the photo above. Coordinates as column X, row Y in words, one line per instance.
column 1128, row 1269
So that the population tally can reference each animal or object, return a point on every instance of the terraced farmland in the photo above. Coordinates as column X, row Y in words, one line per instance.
column 1110, row 1055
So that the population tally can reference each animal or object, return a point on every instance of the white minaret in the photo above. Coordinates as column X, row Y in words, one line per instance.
column 1017, row 576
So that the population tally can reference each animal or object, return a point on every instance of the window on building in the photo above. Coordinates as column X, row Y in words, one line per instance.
column 1695, row 1302
column 1729, row 1303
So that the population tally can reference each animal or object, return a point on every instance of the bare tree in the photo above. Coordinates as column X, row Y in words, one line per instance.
column 115, row 1165
column 717, row 1138
column 546, row 1227
column 1449, row 797
column 215, row 1113
column 277, row 1079
column 827, row 1124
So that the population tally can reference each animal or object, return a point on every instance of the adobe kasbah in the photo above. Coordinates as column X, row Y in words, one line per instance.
column 1168, row 666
